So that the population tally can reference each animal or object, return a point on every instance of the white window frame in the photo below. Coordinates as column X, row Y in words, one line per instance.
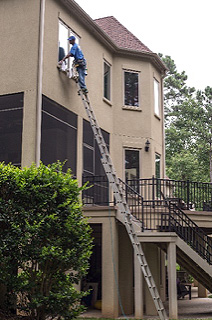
column 139, row 100
column 157, row 104
column 70, row 32
column 109, row 65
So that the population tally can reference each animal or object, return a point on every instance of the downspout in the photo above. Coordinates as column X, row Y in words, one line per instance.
column 39, row 83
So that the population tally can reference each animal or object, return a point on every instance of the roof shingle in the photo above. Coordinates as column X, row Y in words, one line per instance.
column 121, row 35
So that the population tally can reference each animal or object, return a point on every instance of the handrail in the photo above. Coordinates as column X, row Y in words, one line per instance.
column 176, row 220
column 190, row 195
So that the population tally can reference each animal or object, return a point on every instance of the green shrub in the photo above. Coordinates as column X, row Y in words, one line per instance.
column 45, row 242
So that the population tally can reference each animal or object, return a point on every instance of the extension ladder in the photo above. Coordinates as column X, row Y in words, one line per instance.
column 122, row 204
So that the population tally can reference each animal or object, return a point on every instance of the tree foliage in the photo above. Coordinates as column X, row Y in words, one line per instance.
column 45, row 241
column 188, row 121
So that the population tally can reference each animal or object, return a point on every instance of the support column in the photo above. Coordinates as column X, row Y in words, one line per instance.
column 152, row 256
column 125, row 270
column 202, row 291
column 79, row 149
column 172, row 281
column 110, row 306
column 138, row 294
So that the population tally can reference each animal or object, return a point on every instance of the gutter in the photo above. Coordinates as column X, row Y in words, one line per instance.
column 39, row 84
column 76, row 10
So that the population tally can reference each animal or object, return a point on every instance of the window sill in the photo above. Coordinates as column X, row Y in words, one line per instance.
column 132, row 108
column 157, row 116
column 107, row 101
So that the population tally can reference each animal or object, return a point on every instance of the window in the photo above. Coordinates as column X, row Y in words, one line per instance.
column 106, row 80
column 91, row 155
column 157, row 166
column 132, row 170
column 156, row 98
column 64, row 47
column 93, row 170
column 11, row 124
column 59, row 135
column 131, row 89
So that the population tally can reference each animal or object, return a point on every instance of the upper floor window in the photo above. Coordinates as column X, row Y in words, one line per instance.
column 107, row 69
column 131, row 92
column 156, row 98
column 64, row 47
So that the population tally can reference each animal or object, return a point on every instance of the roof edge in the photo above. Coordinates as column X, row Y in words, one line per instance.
column 104, row 38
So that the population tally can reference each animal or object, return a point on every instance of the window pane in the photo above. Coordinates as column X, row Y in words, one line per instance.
column 132, row 164
column 11, row 124
column 157, row 166
column 131, row 89
column 59, row 136
column 88, row 159
column 63, row 42
column 106, row 81
column 88, row 136
column 156, row 97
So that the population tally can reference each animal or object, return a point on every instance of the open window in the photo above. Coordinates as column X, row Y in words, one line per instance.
column 63, row 44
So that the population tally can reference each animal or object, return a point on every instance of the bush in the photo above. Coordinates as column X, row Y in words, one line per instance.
column 45, row 242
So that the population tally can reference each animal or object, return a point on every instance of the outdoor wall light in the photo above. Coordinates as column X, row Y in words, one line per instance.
column 147, row 143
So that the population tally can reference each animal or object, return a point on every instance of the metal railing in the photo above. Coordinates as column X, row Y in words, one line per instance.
column 97, row 192
column 186, row 194
column 149, row 203
column 177, row 221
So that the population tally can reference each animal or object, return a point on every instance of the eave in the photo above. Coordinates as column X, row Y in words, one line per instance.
column 90, row 25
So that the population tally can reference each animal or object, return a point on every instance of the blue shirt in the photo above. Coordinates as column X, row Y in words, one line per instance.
column 77, row 52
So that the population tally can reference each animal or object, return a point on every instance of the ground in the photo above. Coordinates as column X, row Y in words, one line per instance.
column 6, row 316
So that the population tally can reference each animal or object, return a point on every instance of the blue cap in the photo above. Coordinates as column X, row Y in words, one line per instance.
column 71, row 38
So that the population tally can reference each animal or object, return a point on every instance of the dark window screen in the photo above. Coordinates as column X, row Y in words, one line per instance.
column 131, row 89
column 92, row 156
column 59, row 135
column 11, row 125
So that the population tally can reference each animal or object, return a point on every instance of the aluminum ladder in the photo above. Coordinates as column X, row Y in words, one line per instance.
column 122, row 204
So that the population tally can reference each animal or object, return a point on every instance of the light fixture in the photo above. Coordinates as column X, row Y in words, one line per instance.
column 147, row 143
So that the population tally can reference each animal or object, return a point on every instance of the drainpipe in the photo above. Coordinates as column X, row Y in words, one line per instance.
column 39, row 82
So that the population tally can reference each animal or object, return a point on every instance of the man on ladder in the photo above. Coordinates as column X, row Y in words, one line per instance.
column 79, row 61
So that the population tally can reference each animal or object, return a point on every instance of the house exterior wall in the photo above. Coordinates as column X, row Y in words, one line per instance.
column 129, row 128
column 19, row 23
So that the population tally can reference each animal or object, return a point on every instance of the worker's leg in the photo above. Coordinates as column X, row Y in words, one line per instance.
column 81, row 71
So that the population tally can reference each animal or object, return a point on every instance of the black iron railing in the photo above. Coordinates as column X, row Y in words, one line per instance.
column 134, row 200
column 186, row 194
column 98, row 192
column 177, row 221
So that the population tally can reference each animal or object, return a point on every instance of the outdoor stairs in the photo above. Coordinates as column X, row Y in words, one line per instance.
column 193, row 245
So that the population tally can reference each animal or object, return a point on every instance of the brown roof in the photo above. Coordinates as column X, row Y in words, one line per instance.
column 121, row 35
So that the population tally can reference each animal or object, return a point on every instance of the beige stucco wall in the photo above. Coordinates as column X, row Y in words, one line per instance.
column 112, row 118
column 19, row 25
column 19, row 43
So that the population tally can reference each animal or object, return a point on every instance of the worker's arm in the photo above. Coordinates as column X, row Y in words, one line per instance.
column 66, row 57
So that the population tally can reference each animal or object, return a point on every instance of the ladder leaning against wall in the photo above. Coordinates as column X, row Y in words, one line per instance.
column 123, row 207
